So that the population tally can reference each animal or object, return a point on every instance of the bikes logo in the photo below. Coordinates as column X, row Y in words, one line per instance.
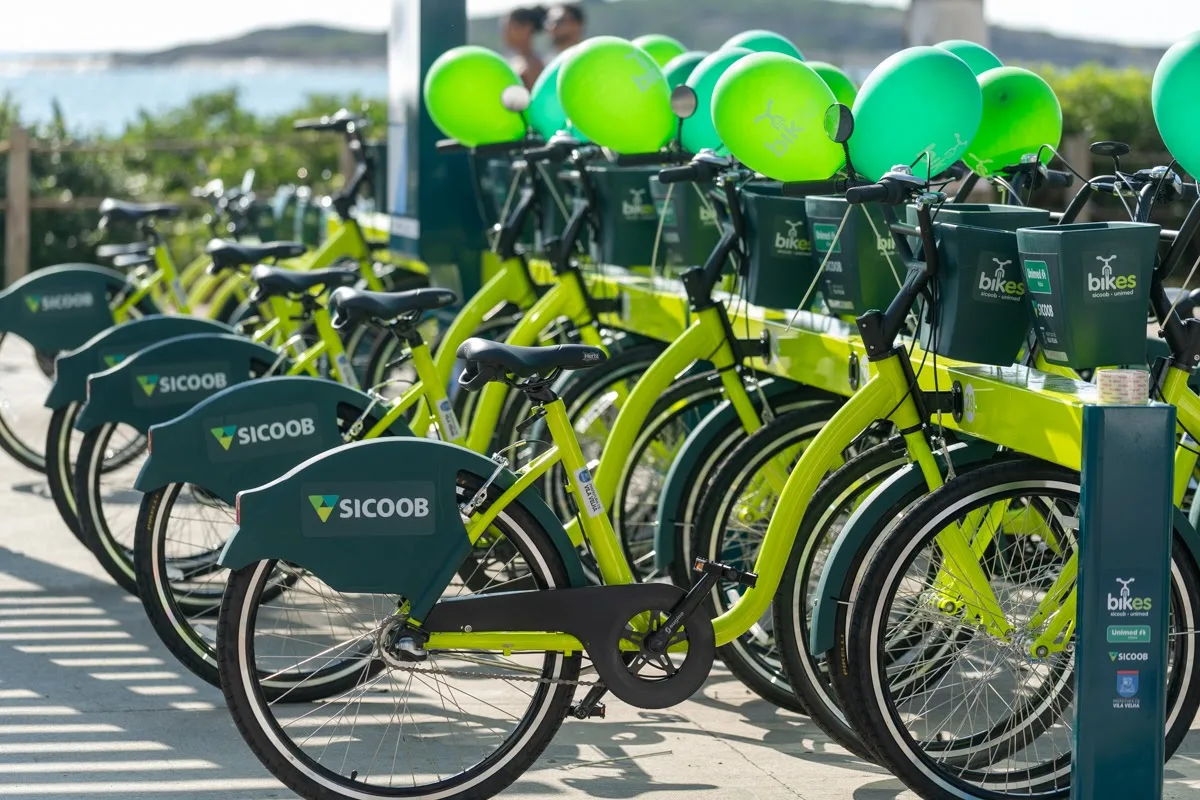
column 176, row 384
column 266, row 432
column 403, row 508
column 1106, row 284
column 997, row 284
column 68, row 301
column 939, row 163
column 885, row 244
column 1124, row 604
column 636, row 207
column 785, row 132
column 793, row 242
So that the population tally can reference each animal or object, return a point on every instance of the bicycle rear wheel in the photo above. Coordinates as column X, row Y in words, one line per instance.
column 458, row 725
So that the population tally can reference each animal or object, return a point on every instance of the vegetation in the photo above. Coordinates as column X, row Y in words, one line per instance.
column 232, row 140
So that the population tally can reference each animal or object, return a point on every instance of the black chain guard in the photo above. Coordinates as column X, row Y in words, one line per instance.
column 596, row 615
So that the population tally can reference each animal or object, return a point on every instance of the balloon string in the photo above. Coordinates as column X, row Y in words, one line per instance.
column 662, row 219
column 812, row 286
column 512, row 192
column 886, row 254
column 558, row 201
column 1183, row 290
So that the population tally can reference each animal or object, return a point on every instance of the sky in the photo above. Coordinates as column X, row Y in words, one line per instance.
column 71, row 26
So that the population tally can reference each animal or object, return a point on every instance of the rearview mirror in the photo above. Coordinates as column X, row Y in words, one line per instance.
column 839, row 123
column 1110, row 149
column 684, row 101
column 515, row 99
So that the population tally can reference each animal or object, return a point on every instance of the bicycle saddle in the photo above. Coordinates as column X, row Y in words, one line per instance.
column 114, row 209
column 226, row 254
column 276, row 281
column 359, row 304
column 526, row 361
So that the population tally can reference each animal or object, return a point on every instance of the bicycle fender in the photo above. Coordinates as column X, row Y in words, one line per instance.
column 1186, row 531
column 840, row 563
column 678, row 483
column 251, row 433
column 60, row 308
column 112, row 346
column 163, row 380
column 376, row 516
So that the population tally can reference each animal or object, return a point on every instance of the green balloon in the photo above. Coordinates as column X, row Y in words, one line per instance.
column 462, row 93
column 765, row 42
column 680, row 67
column 1020, row 114
column 769, row 110
column 843, row 88
column 661, row 48
column 922, row 100
column 616, row 96
column 545, row 112
column 978, row 57
column 698, row 131
column 1173, row 96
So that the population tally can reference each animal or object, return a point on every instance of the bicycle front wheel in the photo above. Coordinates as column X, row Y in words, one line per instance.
column 457, row 725
column 951, row 709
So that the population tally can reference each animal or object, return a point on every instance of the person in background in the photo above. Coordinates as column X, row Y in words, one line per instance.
column 520, row 27
column 565, row 23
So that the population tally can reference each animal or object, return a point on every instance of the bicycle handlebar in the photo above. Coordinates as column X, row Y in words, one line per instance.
column 652, row 159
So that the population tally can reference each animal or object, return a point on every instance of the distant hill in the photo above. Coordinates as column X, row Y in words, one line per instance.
column 856, row 36
column 307, row 43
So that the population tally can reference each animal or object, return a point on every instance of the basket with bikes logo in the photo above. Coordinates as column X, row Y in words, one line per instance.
column 979, row 315
column 1088, row 288
column 862, row 270
column 627, row 218
column 781, row 267
column 690, row 227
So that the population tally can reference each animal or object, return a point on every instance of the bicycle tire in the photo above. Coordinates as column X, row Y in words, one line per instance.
column 264, row 734
column 752, row 657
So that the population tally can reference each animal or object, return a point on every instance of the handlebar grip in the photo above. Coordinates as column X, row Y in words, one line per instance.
column 310, row 125
column 1056, row 177
column 873, row 193
column 1189, row 194
column 450, row 146
column 685, row 174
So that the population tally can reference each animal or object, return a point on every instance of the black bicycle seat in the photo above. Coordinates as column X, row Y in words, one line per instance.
column 114, row 209
column 359, row 304
column 280, row 281
column 526, row 361
column 226, row 254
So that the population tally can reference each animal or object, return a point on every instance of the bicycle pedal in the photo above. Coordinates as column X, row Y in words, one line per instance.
column 595, row 711
column 724, row 572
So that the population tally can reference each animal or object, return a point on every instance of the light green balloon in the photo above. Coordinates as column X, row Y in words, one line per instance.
column 545, row 112
column 661, row 48
column 769, row 110
column 764, row 42
column 1175, row 97
column 681, row 66
column 978, row 57
column 698, row 131
column 617, row 97
column 839, row 82
column 1020, row 114
column 922, row 100
column 462, row 93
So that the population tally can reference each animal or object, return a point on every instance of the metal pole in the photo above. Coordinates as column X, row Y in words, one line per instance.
column 16, row 215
